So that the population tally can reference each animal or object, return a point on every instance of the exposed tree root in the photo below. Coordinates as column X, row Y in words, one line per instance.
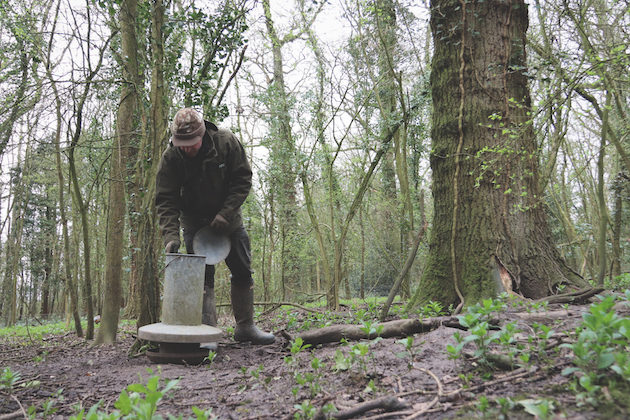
column 577, row 296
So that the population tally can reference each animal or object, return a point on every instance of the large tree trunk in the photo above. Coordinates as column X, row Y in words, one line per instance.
column 490, row 231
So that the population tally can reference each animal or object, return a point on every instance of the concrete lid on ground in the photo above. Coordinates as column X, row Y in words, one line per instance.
column 164, row 333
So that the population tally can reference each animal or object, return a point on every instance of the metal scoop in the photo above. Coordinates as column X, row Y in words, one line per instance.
column 214, row 246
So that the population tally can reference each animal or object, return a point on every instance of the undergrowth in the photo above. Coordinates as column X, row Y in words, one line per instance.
column 27, row 332
column 595, row 353
column 593, row 357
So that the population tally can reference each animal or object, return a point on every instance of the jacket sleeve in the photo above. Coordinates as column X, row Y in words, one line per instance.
column 168, row 202
column 239, row 176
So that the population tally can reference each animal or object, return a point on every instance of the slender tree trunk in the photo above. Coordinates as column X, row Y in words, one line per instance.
column 490, row 231
column 362, row 278
column 81, row 206
column 115, row 241
column 617, row 226
column 150, row 244
column 384, row 21
column 601, row 198
column 282, row 156
column 269, row 250
column 48, row 261
column 83, row 214
column 116, row 218
column 13, row 253
column 128, row 125
column 70, row 286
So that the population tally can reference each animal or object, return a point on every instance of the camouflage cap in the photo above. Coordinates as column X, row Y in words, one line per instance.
column 187, row 128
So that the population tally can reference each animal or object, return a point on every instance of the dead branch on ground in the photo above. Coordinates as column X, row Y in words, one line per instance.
column 388, row 403
column 397, row 328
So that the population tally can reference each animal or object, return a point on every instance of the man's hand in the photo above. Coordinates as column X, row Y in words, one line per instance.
column 219, row 224
column 172, row 247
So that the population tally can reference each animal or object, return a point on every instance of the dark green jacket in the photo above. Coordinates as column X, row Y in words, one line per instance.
column 190, row 192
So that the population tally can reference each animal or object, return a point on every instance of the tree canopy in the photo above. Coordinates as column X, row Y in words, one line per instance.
column 346, row 121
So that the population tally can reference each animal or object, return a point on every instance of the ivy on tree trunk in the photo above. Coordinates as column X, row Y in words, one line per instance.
column 490, row 233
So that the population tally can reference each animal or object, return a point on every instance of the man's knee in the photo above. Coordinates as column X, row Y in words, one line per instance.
column 242, row 281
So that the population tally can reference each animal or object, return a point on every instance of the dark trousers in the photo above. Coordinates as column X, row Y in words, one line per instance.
column 239, row 260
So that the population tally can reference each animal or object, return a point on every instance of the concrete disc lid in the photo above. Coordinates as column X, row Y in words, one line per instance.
column 214, row 246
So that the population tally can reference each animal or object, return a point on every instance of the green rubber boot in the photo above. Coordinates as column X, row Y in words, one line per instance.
column 243, row 307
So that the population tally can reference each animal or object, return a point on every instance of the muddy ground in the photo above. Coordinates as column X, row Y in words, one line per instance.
column 235, row 386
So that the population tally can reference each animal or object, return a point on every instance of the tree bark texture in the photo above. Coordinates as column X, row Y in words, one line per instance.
column 282, row 157
column 117, row 201
column 148, row 238
column 129, row 122
column 70, row 286
column 490, row 232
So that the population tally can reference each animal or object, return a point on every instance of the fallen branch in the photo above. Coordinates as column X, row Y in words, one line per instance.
column 14, row 415
column 397, row 328
column 388, row 403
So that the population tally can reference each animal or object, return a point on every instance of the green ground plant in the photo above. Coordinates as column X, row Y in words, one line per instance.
column 359, row 355
column 618, row 283
column 539, row 408
column 139, row 402
column 8, row 379
column 293, row 363
column 23, row 334
column 433, row 309
column 409, row 350
column 599, row 350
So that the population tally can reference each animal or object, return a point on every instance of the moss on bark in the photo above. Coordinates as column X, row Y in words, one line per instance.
column 484, row 160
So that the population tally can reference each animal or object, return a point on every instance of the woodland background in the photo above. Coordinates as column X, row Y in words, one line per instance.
column 88, row 90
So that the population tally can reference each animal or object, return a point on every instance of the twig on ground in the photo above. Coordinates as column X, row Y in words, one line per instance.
column 434, row 401
column 20, row 404
column 388, row 415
